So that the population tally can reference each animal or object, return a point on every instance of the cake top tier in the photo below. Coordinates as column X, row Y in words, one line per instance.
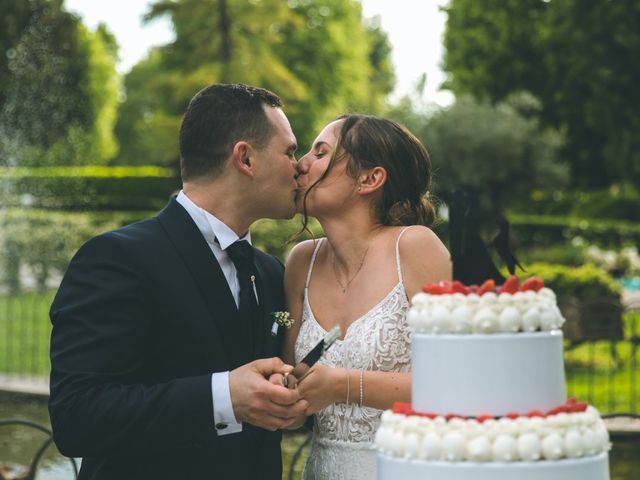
column 451, row 307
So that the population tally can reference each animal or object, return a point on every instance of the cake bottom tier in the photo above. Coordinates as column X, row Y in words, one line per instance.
column 589, row 468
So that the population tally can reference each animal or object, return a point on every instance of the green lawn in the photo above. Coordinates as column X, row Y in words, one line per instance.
column 607, row 377
column 291, row 441
column 24, row 333
column 611, row 384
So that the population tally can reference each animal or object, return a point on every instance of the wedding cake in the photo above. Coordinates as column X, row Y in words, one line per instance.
column 488, row 392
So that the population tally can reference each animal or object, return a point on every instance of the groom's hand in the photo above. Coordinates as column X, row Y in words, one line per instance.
column 257, row 401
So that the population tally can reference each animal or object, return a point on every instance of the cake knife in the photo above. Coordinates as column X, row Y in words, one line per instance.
column 290, row 380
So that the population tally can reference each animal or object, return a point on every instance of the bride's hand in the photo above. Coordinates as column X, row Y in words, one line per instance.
column 321, row 387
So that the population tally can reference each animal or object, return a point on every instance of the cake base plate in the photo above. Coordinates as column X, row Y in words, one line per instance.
column 589, row 468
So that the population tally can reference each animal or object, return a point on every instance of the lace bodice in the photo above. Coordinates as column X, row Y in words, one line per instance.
column 378, row 340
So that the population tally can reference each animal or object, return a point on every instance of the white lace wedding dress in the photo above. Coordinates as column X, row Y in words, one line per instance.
column 342, row 445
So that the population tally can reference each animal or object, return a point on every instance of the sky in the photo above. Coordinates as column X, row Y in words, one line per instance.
column 414, row 27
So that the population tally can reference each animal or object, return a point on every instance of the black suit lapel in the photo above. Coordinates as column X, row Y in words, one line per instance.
column 208, row 276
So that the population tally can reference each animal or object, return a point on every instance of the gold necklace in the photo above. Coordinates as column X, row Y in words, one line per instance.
column 335, row 272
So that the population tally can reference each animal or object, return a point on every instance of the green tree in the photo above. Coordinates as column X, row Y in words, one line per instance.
column 60, row 101
column 318, row 55
column 14, row 18
column 579, row 57
column 498, row 151
column 148, row 120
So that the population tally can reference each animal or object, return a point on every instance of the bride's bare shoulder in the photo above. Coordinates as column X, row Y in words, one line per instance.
column 424, row 257
column 417, row 238
column 298, row 259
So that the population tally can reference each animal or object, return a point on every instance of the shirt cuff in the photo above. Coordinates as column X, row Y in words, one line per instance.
column 223, row 416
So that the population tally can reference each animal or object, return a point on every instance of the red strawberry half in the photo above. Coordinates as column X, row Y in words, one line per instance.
column 458, row 287
column 532, row 283
column 487, row 286
column 559, row 409
column 536, row 413
column 484, row 418
column 446, row 286
column 578, row 407
column 432, row 288
column 511, row 285
column 401, row 407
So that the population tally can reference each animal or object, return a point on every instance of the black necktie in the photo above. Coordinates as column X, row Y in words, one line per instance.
column 241, row 254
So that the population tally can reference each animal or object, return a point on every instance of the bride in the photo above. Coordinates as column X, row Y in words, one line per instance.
column 366, row 180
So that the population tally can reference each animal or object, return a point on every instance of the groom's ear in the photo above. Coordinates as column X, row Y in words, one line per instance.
column 372, row 180
column 240, row 158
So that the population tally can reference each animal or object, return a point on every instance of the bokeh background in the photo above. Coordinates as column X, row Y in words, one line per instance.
column 532, row 105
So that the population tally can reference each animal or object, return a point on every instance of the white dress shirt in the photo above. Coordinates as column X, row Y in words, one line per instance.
column 212, row 229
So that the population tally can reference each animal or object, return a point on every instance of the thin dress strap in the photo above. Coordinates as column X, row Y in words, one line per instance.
column 313, row 260
column 398, row 253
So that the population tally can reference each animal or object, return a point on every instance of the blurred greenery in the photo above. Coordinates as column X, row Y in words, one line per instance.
column 319, row 56
column 578, row 57
column 618, row 202
column 291, row 442
column 547, row 230
column 59, row 87
column 25, row 327
column 38, row 244
column 87, row 187
column 24, row 350
column 547, row 98
column 584, row 281
column 499, row 151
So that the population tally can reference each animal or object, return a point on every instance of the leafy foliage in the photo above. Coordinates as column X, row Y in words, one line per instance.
column 578, row 57
column 585, row 281
column 60, row 88
column 611, row 203
column 549, row 229
column 318, row 55
column 277, row 237
column 87, row 187
column 42, row 243
column 495, row 150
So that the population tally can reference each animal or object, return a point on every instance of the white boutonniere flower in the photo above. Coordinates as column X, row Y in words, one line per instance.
column 281, row 319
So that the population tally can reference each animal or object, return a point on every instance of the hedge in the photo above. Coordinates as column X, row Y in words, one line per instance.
column 88, row 187
column 616, row 202
column 584, row 281
column 550, row 229
column 42, row 242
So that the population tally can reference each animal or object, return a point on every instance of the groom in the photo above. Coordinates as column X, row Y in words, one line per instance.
column 161, row 330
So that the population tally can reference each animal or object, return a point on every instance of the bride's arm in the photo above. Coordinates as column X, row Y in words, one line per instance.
column 324, row 386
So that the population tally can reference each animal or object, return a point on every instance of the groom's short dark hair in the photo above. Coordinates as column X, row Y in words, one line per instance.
column 217, row 117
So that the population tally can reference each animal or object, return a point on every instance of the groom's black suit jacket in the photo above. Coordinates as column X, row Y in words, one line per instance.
column 142, row 319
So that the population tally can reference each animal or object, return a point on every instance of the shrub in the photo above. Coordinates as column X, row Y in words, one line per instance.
column 277, row 237
column 87, row 188
column 41, row 243
column 582, row 282
column 616, row 202
column 564, row 253
column 536, row 230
